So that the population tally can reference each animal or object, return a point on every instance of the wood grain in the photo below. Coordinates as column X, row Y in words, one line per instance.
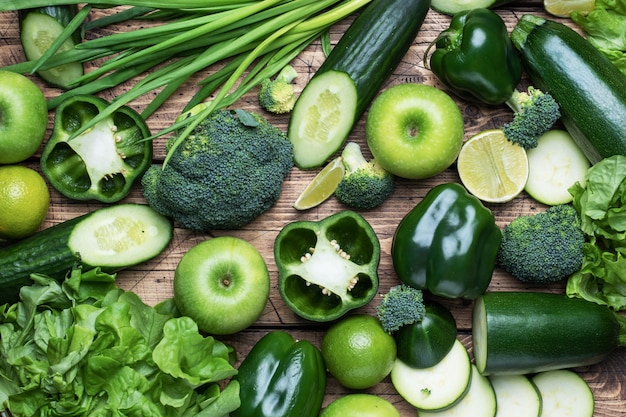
column 153, row 280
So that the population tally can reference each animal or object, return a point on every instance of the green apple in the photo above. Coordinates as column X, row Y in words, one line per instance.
column 23, row 117
column 222, row 284
column 360, row 405
column 414, row 131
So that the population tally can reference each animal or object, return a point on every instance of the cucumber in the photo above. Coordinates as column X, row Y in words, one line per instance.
column 452, row 7
column 438, row 387
column 337, row 95
column 516, row 395
column 528, row 332
column 564, row 393
column 39, row 28
column 113, row 238
column 589, row 89
column 479, row 401
column 555, row 164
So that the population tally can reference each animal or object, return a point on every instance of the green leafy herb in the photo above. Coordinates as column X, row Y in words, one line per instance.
column 85, row 347
column 601, row 204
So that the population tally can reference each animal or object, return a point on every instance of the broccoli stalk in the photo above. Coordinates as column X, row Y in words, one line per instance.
column 535, row 112
column 365, row 184
column 278, row 96
column 543, row 248
column 401, row 306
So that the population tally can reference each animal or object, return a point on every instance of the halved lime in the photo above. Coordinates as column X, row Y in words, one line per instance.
column 322, row 186
column 493, row 168
column 564, row 8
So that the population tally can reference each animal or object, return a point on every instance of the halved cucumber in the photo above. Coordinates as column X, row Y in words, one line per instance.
column 564, row 393
column 437, row 387
column 479, row 401
column 516, row 396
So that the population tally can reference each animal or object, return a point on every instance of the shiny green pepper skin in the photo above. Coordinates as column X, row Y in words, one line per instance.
column 476, row 58
column 281, row 377
column 102, row 163
column 329, row 267
column 447, row 244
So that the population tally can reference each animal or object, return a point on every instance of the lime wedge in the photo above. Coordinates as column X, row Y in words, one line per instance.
column 322, row 186
column 564, row 8
column 493, row 168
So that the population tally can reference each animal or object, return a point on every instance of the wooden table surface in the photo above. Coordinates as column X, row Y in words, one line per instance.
column 153, row 280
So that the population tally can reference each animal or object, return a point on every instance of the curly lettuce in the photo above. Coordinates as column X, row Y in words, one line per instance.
column 605, row 27
column 85, row 347
column 601, row 205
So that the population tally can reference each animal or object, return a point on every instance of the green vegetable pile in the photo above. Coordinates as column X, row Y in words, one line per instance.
column 85, row 347
column 601, row 204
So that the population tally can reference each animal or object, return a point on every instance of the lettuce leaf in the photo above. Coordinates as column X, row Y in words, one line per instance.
column 85, row 347
column 605, row 27
column 601, row 205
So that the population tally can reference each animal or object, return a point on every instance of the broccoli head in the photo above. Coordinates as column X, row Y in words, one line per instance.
column 535, row 112
column 544, row 247
column 278, row 96
column 401, row 306
column 365, row 184
column 227, row 172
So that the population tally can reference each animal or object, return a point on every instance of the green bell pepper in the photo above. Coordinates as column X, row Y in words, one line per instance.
column 281, row 377
column 329, row 267
column 476, row 59
column 102, row 163
column 447, row 244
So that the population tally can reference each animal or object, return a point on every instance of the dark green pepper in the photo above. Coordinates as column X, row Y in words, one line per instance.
column 102, row 163
column 447, row 244
column 476, row 58
column 329, row 267
column 281, row 377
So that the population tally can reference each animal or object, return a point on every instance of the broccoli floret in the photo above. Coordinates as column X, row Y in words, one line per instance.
column 544, row 247
column 365, row 184
column 535, row 113
column 279, row 96
column 228, row 171
column 401, row 306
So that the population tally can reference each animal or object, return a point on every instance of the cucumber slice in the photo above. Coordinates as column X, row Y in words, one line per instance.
column 516, row 396
column 437, row 387
column 37, row 32
column 479, row 401
column 555, row 165
column 564, row 393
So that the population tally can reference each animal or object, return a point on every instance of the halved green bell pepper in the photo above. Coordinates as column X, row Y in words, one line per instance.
column 475, row 57
column 102, row 163
column 281, row 377
column 329, row 267
column 447, row 244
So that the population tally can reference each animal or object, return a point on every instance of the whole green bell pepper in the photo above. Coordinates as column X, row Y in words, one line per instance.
column 329, row 267
column 281, row 377
column 103, row 162
column 447, row 244
column 475, row 57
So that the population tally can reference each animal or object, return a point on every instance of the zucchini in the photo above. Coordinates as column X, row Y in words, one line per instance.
column 112, row 238
column 528, row 332
column 590, row 90
column 39, row 28
column 516, row 395
column 451, row 7
column 564, row 393
column 337, row 95
column 438, row 387
column 479, row 401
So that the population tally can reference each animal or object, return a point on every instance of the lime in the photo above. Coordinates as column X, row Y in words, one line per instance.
column 493, row 168
column 563, row 8
column 358, row 352
column 24, row 201
column 322, row 186
column 360, row 405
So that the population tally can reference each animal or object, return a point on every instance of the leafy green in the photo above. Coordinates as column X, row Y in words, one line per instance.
column 601, row 204
column 85, row 347
column 605, row 27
